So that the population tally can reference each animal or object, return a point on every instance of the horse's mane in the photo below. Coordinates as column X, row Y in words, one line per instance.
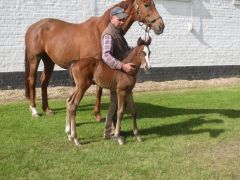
column 106, row 14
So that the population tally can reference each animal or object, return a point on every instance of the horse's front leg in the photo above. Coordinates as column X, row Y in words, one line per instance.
column 45, row 77
column 97, row 107
column 132, row 108
column 121, row 106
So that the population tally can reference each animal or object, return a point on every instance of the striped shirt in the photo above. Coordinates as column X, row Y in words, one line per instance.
column 107, row 51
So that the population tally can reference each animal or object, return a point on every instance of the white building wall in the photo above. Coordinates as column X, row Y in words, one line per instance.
column 215, row 39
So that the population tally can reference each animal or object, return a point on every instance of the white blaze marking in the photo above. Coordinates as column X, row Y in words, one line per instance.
column 147, row 56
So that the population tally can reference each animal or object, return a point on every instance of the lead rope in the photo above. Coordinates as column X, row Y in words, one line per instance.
column 147, row 29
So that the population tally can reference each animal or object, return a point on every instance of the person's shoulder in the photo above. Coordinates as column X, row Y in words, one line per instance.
column 106, row 36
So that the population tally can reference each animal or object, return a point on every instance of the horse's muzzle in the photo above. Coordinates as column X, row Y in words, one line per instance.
column 158, row 28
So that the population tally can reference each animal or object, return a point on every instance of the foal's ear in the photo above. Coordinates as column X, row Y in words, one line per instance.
column 140, row 41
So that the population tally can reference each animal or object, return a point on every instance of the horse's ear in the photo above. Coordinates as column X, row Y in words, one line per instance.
column 124, row 5
column 140, row 41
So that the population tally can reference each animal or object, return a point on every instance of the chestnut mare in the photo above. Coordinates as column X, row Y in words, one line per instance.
column 58, row 42
column 85, row 70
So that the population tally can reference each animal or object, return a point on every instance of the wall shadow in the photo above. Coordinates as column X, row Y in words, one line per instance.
column 196, row 9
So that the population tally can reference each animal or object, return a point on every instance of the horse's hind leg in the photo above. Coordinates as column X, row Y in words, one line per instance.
column 45, row 77
column 132, row 108
column 98, row 104
column 31, row 83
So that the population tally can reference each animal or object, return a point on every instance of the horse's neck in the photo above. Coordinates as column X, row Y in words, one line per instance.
column 131, row 15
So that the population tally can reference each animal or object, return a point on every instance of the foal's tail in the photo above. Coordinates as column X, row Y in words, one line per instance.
column 70, row 67
column 27, row 90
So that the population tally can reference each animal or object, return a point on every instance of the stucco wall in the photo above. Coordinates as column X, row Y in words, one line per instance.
column 215, row 39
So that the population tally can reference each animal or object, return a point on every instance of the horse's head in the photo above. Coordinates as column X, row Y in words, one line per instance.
column 144, row 53
column 147, row 13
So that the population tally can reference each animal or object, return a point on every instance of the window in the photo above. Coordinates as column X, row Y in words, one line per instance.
column 236, row 2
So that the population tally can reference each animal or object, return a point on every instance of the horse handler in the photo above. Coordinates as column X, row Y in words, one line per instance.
column 114, row 49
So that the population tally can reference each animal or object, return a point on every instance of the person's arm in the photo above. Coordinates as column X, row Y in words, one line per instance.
column 107, row 51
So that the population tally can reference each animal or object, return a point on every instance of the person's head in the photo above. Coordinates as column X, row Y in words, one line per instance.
column 117, row 16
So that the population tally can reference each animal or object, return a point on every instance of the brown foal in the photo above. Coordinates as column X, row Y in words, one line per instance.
column 86, row 70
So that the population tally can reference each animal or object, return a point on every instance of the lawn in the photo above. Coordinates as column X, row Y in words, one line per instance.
column 187, row 134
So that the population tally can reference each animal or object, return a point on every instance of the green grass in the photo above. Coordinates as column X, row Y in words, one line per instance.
column 188, row 134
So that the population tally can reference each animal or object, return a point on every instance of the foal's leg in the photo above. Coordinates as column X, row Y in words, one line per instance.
column 46, row 74
column 68, row 122
column 97, row 107
column 72, row 105
column 121, row 105
column 32, row 75
column 132, row 108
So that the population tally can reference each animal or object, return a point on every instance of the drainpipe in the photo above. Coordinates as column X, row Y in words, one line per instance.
column 190, row 25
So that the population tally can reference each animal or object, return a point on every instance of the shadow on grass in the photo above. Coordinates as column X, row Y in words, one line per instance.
column 184, row 128
column 147, row 110
column 85, row 107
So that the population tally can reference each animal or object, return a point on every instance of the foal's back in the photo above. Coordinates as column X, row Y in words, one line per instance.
column 91, row 69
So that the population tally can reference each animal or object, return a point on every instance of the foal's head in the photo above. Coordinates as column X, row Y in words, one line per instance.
column 140, row 54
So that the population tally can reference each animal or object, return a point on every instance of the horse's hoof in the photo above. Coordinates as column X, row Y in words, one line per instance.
column 49, row 113
column 98, row 118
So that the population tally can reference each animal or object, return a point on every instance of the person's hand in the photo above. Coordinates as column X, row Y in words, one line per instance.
column 129, row 68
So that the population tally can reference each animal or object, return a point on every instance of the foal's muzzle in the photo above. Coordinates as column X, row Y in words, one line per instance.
column 146, row 67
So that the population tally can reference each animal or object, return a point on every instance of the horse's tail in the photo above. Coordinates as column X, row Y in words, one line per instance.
column 27, row 90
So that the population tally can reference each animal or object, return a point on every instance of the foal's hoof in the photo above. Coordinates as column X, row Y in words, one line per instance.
column 35, row 115
column 70, row 138
column 76, row 142
column 139, row 139
column 120, row 139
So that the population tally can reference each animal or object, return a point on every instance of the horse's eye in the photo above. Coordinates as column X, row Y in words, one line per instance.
column 146, row 5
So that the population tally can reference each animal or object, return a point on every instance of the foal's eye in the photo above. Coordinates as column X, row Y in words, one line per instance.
column 146, row 5
column 144, row 53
